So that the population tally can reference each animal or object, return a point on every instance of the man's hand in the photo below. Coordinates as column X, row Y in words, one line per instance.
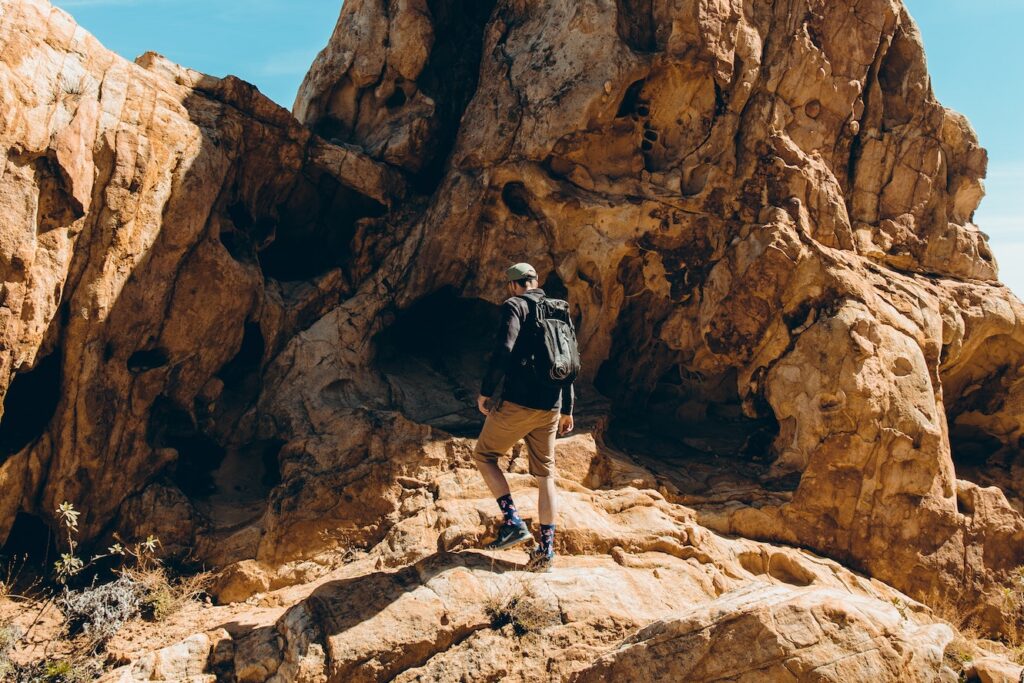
column 482, row 404
column 565, row 424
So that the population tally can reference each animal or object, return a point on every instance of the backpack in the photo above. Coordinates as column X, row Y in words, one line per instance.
column 552, row 350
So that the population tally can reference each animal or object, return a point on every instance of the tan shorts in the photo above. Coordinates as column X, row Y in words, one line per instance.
column 510, row 422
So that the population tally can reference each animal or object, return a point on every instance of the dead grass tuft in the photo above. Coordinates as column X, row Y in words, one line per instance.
column 519, row 607
column 160, row 596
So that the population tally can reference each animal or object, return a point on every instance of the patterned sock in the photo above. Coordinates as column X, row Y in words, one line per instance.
column 547, row 538
column 508, row 508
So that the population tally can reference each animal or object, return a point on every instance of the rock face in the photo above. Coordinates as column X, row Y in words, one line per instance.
column 773, row 633
column 213, row 312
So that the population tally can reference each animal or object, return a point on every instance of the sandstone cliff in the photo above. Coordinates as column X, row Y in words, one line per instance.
column 212, row 327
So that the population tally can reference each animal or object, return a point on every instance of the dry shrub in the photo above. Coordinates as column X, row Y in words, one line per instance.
column 100, row 611
column 968, row 642
column 9, row 636
column 160, row 596
column 519, row 607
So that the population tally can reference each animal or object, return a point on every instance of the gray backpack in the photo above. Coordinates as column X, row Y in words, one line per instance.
column 551, row 346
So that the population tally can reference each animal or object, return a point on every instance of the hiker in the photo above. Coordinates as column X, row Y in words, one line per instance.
column 537, row 356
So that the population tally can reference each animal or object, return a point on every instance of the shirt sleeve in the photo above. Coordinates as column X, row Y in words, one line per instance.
column 511, row 321
column 568, row 399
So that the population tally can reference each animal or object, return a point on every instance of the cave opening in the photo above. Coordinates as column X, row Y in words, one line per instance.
column 171, row 426
column 30, row 404
column 315, row 229
column 241, row 483
column 30, row 542
column 227, row 484
column 239, row 373
column 982, row 449
column 690, row 427
column 433, row 356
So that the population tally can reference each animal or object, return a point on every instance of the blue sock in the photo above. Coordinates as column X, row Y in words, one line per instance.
column 547, row 538
column 508, row 508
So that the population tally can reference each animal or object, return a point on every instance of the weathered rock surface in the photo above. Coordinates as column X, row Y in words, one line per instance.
column 213, row 315
column 773, row 633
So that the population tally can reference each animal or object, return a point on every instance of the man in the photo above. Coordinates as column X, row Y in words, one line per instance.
column 529, row 408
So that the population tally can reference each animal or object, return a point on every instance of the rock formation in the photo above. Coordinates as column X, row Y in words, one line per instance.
column 212, row 324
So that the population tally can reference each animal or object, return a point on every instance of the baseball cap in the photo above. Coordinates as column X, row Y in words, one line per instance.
column 520, row 271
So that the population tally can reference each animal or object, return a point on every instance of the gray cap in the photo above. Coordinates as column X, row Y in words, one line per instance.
column 520, row 271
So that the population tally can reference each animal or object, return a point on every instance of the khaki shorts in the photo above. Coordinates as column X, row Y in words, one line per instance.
column 508, row 423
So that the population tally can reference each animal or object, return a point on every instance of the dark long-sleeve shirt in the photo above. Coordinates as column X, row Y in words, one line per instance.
column 522, row 386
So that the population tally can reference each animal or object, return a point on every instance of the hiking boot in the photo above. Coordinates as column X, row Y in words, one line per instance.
column 510, row 535
column 540, row 561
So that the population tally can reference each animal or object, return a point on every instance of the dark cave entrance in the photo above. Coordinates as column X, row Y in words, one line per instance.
column 224, row 470
column 315, row 229
column 689, row 427
column 434, row 355
column 30, row 404
column 980, row 456
column 30, row 544
column 692, row 430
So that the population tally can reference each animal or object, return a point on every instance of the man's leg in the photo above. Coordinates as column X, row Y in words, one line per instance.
column 546, row 505
column 494, row 478
column 501, row 431
column 541, row 446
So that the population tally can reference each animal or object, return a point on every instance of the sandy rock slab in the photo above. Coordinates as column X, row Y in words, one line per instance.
column 781, row 633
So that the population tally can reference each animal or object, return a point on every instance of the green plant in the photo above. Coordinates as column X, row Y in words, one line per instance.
column 97, row 611
column 73, row 670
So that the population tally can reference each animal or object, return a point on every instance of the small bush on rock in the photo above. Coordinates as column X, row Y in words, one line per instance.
column 100, row 611
column 9, row 635
column 160, row 597
column 518, row 607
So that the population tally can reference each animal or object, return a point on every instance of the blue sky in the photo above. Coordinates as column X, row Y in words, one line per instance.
column 974, row 57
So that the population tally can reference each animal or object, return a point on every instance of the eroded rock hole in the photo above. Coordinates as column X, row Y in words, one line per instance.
column 146, row 359
column 695, row 431
column 239, row 371
column 894, row 77
column 434, row 355
column 30, row 541
column 244, row 233
column 56, row 208
column 635, row 24
column 396, row 99
column 171, row 426
column 554, row 287
column 983, row 451
column 516, row 198
column 631, row 101
column 247, row 474
column 29, row 406
column 315, row 231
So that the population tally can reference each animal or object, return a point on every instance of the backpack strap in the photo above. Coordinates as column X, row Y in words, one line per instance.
column 533, row 304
